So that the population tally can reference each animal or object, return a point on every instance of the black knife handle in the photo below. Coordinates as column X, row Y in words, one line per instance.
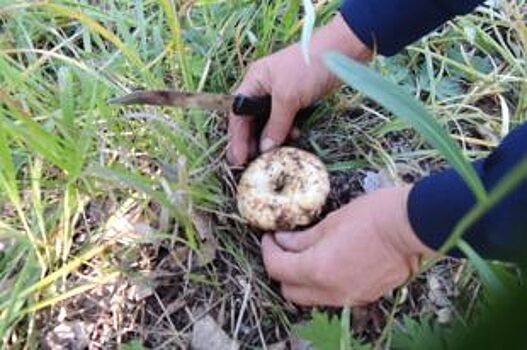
column 260, row 108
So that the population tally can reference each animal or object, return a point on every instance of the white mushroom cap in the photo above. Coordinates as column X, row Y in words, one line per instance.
column 283, row 189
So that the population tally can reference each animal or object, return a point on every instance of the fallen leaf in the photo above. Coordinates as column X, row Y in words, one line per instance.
column 299, row 344
column 444, row 315
column 139, row 291
column 207, row 334
column 203, row 224
column 4, row 244
column 68, row 335
column 278, row 346
column 377, row 180
column 207, row 252
column 438, row 293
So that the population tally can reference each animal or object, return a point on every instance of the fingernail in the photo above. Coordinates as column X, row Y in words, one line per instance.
column 283, row 238
column 266, row 144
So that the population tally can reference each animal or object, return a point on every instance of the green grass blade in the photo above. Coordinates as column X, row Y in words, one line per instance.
column 11, row 306
column 489, row 278
column 307, row 30
column 67, row 98
column 393, row 98
column 106, row 278
column 177, row 43
column 71, row 266
column 96, row 27
column 345, row 331
column 293, row 7
column 7, row 169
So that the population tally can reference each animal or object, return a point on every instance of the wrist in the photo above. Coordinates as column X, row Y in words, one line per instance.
column 336, row 36
column 411, row 241
column 341, row 38
column 394, row 225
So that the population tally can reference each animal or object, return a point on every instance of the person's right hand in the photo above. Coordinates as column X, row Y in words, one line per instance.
column 352, row 257
column 292, row 84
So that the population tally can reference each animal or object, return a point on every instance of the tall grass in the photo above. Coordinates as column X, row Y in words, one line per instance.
column 64, row 150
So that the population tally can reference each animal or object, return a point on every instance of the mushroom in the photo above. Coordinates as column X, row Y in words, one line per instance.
column 283, row 189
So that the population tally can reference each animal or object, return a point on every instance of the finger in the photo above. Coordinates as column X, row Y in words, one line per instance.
column 241, row 142
column 313, row 296
column 300, row 240
column 253, row 146
column 277, row 129
column 239, row 134
column 301, row 295
column 282, row 265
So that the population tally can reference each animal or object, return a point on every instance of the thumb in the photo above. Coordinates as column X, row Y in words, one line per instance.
column 300, row 240
column 283, row 265
column 241, row 143
column 280, row 122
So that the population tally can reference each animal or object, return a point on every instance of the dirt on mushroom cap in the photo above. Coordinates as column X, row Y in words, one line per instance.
column 283, row 189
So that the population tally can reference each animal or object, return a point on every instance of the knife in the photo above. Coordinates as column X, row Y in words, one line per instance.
column 258, row 107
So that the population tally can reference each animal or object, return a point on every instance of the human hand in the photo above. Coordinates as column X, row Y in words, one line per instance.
column 352, row 257
column 292, row 84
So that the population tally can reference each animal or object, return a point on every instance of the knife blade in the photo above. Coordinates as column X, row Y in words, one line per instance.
column 242, row 105
column 176, row 99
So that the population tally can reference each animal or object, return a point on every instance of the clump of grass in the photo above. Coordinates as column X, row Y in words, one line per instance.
column 94, row 196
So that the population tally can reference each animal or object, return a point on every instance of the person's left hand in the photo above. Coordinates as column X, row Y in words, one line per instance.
column 352, row 257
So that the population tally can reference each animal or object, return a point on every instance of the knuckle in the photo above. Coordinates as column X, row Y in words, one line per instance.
column 255, row 80
column 287, row 97
column 255, row 69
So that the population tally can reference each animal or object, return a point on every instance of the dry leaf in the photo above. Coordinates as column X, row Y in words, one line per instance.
column 139, row 291
column 444, row 315
column 207, row 334
column 207, row 252
column 4, row 244
column 377, row 180
column 68, row 335
column 278, row 346
column 299, row 344
column 438, row 294
column 203, row 224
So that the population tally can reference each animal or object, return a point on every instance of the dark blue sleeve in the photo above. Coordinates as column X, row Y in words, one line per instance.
column 387, row 26
column 438, row 202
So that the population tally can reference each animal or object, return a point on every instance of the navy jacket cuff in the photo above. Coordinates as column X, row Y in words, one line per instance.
column 438, row 202
column 388, row 26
